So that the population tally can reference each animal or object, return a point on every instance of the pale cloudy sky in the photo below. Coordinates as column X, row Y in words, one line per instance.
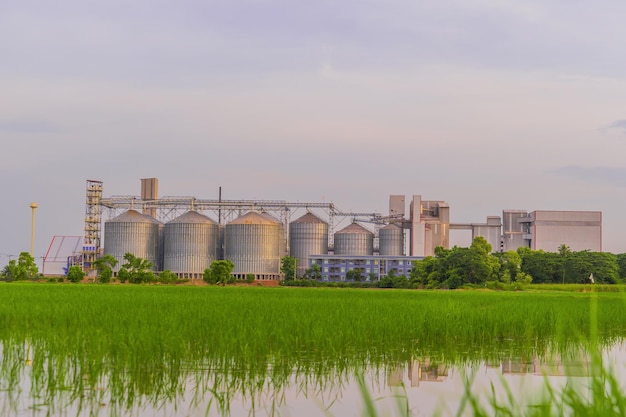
column 485, row 104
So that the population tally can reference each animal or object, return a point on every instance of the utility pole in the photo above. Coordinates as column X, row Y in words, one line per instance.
column 33, row 206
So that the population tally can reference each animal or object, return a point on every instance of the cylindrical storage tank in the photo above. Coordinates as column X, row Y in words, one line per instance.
column 161, row 245
column 132, row 232
column 354, row 240
column 190, row 244
column 391, row 240
column 308, row 235
column 283, row 240
column 254, row 243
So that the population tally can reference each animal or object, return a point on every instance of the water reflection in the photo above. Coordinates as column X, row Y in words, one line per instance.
column 37, row 380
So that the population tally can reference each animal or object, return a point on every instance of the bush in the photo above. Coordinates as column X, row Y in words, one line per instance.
column 167, row 277
column 75, row 274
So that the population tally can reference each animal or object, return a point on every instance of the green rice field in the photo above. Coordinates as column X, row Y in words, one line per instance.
column 83, row 346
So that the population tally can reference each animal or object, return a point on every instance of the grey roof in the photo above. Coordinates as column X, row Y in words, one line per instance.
column 354, row 228
column 253, row 217
column 193, row 216
column 309, row 218
column 133, row 216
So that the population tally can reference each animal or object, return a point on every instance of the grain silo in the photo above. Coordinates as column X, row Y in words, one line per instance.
column 190, row 244
column 254, row 242
column 132, row 232
column 308, row 235
column 354, row 240
column 391, row 240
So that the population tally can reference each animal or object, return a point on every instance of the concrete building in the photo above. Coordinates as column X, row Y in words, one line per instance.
column 580, row 230
column 515, row 229
column 335, row 267
column 548, row 229
column 491, row 231
column 429, row 225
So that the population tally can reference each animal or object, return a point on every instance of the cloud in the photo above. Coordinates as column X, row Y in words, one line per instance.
column 29, row 126
column 611, row 176
column 618, row 124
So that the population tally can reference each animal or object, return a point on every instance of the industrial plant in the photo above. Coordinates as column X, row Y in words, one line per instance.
column 185, row 234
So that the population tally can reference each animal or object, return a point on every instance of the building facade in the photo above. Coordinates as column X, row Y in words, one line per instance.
column 337, row 267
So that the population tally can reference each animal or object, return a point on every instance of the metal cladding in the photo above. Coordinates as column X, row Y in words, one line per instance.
column 308, row 235
column 391, row 240
column 132, row 232
column 354, row 240
column 254, row 242
column 190, row 244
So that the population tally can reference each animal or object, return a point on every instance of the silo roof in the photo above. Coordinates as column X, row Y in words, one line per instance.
column 269, row 216
column 309, row 218
column 193, row 216
column 354, row 228
column 133, row 216
column 254, row 218
column 391, row 226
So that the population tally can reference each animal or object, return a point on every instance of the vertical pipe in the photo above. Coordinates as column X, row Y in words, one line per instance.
column 219, row 209
column 33, row 206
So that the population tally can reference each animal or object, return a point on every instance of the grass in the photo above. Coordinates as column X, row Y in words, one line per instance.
column 130, row 345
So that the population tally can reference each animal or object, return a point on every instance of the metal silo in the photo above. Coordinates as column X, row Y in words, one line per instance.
column 283, row 240
column 190, row 243
column 391, row 240
column 308, row 235
column 132, row 232
column 254, row 243
column 354, row 240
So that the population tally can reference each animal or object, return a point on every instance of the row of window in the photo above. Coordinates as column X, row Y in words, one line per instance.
column 360, row 262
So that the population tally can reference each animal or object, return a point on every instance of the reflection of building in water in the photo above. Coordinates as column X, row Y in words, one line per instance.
column 554, row 366
column 571, row 367
column 395, row 376
column 425, row 371
column 517, row 366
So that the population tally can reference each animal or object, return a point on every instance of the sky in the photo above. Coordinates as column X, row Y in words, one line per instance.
column 485, row 104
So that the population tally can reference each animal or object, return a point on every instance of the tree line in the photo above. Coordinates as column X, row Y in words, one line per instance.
column 451, row 268
column 477, row 265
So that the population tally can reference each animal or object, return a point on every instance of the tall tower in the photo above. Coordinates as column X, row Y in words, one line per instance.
column 33, row 207
column 91, row 245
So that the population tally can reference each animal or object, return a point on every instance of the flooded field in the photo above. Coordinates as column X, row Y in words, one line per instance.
column 186, row 351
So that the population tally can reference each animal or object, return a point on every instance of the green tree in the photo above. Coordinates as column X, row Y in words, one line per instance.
column 315, row 272
column 604, row 267
column 388, row 280
column 139, row 270
column 104, row 268
column 621, row 262
column 219, row 272
column 510, row 264
column 75, row 274
column 543, row 267
column 354, row 275
column 250, row 278
column 21, row 269
column 288, row 267
column 123, row 275
column 564, row 252
column 167, row 277
column 482, row 265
